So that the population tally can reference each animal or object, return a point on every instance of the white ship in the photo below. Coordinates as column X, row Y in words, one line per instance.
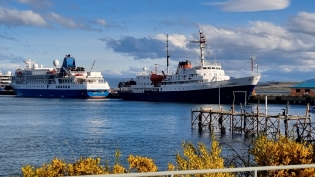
column 206, row 83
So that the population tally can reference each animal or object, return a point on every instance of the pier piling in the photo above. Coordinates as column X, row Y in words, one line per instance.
column 254, row 123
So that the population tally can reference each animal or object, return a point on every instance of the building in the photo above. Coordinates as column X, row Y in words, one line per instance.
column 306, row 88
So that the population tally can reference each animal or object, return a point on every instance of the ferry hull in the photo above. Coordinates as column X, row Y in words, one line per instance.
column 208, row 96
column 62, row 93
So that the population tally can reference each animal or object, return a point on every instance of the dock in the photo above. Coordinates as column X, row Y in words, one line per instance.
column 254, row 123
column 283, row 99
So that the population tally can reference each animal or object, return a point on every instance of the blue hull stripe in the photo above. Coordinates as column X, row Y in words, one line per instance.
column 62, row 93
column 208, row 96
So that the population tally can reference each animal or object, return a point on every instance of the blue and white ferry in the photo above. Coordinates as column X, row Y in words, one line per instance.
column 68, row 81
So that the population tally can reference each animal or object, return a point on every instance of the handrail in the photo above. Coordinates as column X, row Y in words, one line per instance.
column 222, row 170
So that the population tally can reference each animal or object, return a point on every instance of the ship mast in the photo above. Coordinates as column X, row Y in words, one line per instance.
column 167, row 55
column 202, row 41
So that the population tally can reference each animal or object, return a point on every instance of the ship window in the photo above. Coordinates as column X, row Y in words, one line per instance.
column 307, row 90
column 213, row 68
column 298, row 90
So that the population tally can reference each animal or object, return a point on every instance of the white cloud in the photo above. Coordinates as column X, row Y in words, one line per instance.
column 259, row 36
column 175, row 39
column 269, row 28
column 19, row 18
column 63, row 21
column 303, row 22
column 36, row 3
column 69, row 23
column 286, row 68
column 100, row 21
column 252, row 5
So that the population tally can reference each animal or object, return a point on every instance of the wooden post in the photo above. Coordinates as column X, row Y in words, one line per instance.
column 210, row 123
column 232, row 120
column 257, row 120
column 286, row 120
column 191, row 116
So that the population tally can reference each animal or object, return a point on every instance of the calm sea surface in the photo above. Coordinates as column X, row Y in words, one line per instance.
column 35, row 130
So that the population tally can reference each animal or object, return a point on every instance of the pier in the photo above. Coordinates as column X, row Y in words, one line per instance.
column 251, row 122
column 283, row 99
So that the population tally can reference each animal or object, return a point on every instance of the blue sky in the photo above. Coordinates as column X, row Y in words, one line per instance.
column 124, row 36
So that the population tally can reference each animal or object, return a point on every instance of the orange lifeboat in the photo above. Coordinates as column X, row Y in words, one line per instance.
column 78, row 75
column 156, row 77
column 18, row 72
column 51, row 72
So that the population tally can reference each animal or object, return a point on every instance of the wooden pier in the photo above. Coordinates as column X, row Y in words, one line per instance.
column 253, row 123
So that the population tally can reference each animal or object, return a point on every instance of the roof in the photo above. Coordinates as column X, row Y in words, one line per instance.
column 306, row 84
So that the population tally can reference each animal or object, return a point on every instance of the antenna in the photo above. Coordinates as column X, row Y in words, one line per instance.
column 156, row 67
column 215, row 48
column 209, row 54
column 167, row 55
column 92, row 66
column 202, row 41
column 252, row 58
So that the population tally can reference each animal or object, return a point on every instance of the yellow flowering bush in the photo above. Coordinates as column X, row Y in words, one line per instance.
column 118, row 169
column 86, row 166
column 57, row 167
column 284, row 151
column 141, row 164
column 197, row 158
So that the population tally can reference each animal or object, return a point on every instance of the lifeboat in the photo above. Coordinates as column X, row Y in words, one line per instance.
column 78, row 75
column 18, row 72
column 156, row 77
column 51, row 72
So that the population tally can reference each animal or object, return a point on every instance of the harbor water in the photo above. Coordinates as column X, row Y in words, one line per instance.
column 35, row 130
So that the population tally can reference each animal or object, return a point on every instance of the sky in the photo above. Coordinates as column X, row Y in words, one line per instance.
column 125, row 36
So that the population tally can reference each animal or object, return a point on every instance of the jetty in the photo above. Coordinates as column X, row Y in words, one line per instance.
column 283, row 99
column 252, row 122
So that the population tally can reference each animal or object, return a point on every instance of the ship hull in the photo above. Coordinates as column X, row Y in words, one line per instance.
column 50, row 93
column 209, row 96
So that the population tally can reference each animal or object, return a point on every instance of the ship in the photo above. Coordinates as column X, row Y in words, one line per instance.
column 205, row 83
column 5, row 81
column 68, row 81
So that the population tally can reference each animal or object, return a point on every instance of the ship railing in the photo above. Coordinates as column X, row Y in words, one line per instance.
column 213, row 63
column 253, row 170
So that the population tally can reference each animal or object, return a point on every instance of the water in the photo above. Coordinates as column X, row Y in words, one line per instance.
column 35, row 130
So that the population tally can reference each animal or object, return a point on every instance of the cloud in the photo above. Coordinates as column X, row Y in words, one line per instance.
column 259, row 37
column 7, row 37
column 151, row 47
column 10, row 58
column 63, row 21
column 69, row 23
column 251, row 5
column 100, row 22
column 36, row 3
column 303, row 22
column 21, row 18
